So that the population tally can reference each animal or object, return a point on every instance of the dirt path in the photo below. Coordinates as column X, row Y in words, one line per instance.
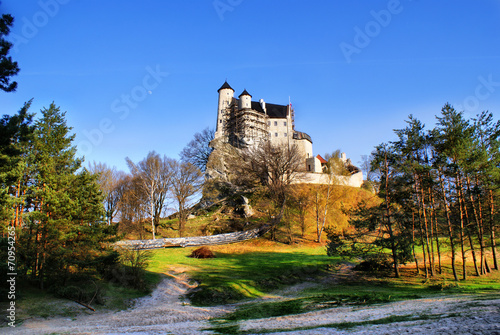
column 165, row 313
column 161, row 313
column 443, row 315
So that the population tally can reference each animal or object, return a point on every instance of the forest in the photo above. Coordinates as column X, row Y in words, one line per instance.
column 438, row 191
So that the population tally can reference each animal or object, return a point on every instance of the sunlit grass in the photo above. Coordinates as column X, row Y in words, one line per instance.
column 254, row 269
column 244, row 270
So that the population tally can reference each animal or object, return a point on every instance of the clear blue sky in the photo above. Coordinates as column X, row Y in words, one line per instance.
column 354, row 70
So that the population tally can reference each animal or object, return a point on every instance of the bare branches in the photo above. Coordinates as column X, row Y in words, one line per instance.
column 154, row 177
column 198, row 150
column 186, row 181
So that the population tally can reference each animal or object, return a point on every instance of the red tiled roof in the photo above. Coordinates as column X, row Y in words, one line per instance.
column 321, row 159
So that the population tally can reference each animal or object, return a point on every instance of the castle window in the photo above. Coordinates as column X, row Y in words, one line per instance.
column 275, row 134
column 284, row 123
column 268, row 123
column 285, row 134
column 220, row 121
column 275, row 123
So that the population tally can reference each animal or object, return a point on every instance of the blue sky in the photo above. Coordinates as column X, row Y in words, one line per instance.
column 140, row 76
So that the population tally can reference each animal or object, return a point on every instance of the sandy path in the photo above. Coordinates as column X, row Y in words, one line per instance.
column 164, row 313
column 161, row 313
column 446, row 315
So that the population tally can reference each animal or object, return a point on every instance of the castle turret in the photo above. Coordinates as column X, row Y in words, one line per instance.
column 245, row 100
column 226, row 94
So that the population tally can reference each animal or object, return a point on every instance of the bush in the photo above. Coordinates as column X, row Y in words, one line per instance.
column 202, row 252
column 87, row 292
column 374, row 263
column 127, row 267
column 107, row 263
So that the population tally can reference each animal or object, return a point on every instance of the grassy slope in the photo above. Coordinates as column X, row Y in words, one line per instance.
column 244, row 270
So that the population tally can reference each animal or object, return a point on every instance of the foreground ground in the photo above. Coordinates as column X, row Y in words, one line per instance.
column 265, row 287
column 164, row 312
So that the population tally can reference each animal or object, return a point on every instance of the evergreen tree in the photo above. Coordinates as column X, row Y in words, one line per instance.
column 8, row 67
column 65, row 227
column 15, row 135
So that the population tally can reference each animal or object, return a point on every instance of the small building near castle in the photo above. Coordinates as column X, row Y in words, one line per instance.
column 242, row 123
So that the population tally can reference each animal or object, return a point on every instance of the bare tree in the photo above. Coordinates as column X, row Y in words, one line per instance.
column 273, row 166
column 132, row 205
column 198, row 150
column 154, row 177
column 109, row 181
column 335, row 168
column 302, row 202
column 187, row 181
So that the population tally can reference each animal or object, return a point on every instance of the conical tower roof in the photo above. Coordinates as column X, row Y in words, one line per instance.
column 225, row 85
column 245, row 93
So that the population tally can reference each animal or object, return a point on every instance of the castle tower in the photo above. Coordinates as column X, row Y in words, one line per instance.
column 226, row 94
column 245, row 100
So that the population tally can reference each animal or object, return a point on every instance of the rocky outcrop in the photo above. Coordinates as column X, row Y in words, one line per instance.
column 220, row 161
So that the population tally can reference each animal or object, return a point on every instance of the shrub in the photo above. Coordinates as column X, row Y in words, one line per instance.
column 87, row 292
column 202, row 252
column 374, row 263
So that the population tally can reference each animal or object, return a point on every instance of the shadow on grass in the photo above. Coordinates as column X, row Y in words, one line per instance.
column 234, row 277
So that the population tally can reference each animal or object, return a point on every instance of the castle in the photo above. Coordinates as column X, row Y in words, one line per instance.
column 242, row 122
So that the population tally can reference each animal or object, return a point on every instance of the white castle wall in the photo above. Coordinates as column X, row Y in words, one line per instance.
column 355, row 180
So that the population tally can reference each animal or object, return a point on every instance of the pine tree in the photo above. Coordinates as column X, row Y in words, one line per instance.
column 8, row 67
column 65, row 227
column 15, row 135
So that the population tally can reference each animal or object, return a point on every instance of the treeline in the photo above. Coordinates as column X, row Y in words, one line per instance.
column 439, row 192
column 141, row 196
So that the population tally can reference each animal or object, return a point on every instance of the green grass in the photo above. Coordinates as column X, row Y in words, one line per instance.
column 254, row 269
column 239, row 273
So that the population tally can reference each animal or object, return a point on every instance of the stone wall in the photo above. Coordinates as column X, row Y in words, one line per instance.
column 354, row 180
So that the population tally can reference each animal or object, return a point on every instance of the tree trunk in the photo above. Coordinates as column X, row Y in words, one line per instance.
column 478, row 217
column 426, row 231
column 450, row 229
column 436, row 235
column 326, row 210
column 461, row 230
column 151, row 212
column 492, row 232
column 413, row 242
